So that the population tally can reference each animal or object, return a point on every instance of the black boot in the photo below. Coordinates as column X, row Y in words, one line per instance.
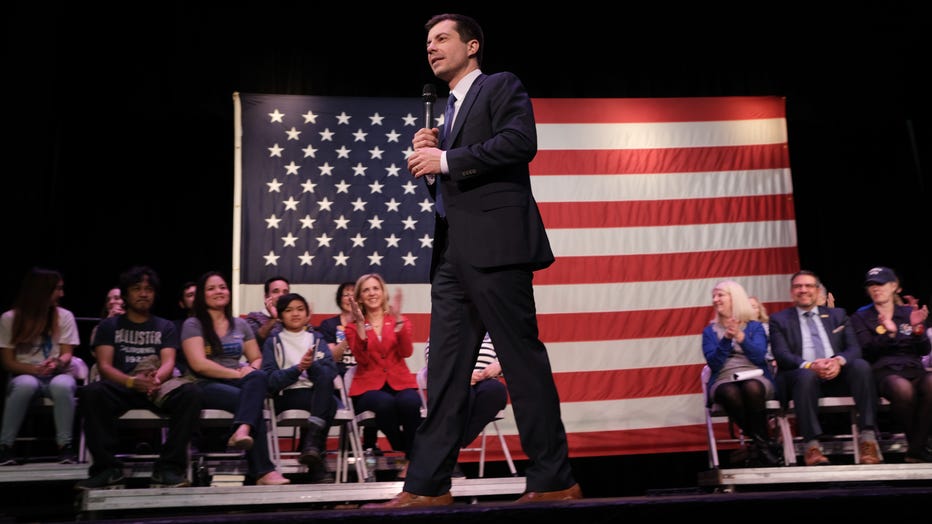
column 765, row 452
column 312, row 454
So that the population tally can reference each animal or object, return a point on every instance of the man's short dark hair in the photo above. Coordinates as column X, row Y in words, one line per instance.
column 137, row 274
column 268, row 282
column 466, row 26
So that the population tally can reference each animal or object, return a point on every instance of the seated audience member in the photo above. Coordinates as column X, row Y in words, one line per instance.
column 338, row 323
column 818, row 355
column 301, row 372
column 113, row 306
column 333, row 330
column 214, row 343
column 266, row 323
column 185, row 310
column 734, row 345
column 826, row 298
column 380, row 339
column 893, row 340
column 37, row 341
column 898, row 298
column 759, row 313
column 185, row 303
column 487, row 394
column 136, row 359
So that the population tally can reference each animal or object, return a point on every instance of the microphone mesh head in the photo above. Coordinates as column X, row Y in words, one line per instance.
column 430, row 93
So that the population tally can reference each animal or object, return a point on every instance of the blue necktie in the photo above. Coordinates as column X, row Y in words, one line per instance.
column 819, row 349
column 447, row 120
column 447, row 126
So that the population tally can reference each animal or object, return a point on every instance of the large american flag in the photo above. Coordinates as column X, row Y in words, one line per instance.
column 648, row 203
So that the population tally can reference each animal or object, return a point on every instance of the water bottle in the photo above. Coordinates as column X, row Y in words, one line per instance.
column 371, row 465
column 201, row 473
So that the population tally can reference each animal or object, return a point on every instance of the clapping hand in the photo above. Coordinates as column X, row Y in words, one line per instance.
column 307, row 359
column 919, row 315
column 394, row 309
column 733, row 330
column 888, row 323
column 357, row 312
column 270, row 305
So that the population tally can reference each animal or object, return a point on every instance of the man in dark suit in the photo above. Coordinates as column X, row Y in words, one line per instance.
column 489, row 239
column 818, row 355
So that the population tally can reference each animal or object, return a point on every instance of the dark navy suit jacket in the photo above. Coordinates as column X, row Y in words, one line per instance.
column 489, row 183
column 786, row 340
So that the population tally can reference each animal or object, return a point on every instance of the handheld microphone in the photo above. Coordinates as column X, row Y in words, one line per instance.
column 430, row 96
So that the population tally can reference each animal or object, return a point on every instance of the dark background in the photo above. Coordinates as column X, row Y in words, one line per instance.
column 118, row 145
column 118, row 139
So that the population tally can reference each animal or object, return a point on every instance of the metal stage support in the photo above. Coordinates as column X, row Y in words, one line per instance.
column 730, row 479
column 96, row 504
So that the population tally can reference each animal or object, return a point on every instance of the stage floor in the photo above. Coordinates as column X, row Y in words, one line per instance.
column 641, row 488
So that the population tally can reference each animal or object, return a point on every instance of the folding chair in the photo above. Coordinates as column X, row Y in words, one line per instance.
column 422, row 390
column 298, row 419
column 716, row 414
column 353, row 432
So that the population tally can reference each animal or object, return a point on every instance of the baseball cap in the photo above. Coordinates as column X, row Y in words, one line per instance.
column 879, row 275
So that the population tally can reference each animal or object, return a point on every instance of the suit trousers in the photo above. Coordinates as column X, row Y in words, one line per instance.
column 467, row 302
column 805, row 388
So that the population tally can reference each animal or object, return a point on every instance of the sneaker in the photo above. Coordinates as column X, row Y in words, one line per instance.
column 168, row 479
column 109, row 478
column 67, row 455
column 6, row 457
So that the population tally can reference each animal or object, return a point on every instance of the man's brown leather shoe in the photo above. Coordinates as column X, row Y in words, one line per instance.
column 870, row 453
column 814, row 457
column 410, row 500
column 571, row 493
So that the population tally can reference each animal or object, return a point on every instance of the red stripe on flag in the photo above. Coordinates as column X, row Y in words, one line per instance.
column 669, row 266
column 668, row 439
column 617, row 384
column 566, row 215
column 620, row 325
column 635, row 110
column 669, row 160
column 676, row 439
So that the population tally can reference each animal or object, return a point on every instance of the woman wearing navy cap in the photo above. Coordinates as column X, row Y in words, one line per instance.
column 893, row 340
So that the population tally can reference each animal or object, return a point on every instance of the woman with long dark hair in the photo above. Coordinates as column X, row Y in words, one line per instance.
column 37, row 341
column 214, row 343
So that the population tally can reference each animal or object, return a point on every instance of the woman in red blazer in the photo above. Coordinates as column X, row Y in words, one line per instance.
column 380, row 339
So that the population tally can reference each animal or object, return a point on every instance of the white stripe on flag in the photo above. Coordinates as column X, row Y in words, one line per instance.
column 662, row 135
column 668, row 186
column 671, row 239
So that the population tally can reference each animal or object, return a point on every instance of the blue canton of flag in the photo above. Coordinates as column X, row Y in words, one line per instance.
column 326, row 193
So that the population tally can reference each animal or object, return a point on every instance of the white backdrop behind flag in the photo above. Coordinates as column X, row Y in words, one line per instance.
column 648, row 203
